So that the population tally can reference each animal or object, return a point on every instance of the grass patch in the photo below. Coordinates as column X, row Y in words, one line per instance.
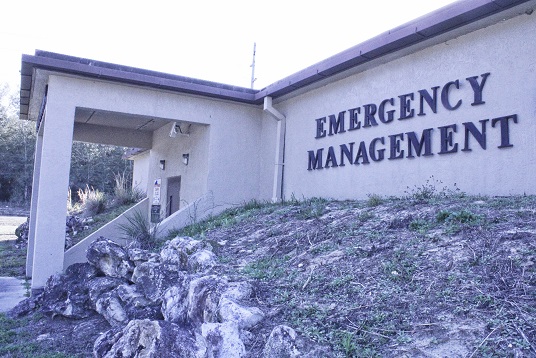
column 265, row 269
column 99, row 221
column 12, row 259
column 16, row 341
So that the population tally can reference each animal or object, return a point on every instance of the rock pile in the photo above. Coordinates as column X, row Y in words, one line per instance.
column 167, row 304
column 73, row 225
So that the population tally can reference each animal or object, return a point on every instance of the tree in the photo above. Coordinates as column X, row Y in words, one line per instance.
column 17, row 146
column 93, row 165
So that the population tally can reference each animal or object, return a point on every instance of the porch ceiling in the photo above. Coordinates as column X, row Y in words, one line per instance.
column 118, row 120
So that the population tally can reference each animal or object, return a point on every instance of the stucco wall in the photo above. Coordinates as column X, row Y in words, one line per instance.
column 234, row 154
column 224, row 154
column 505, row 50
column 140, row 172
column 193, row 176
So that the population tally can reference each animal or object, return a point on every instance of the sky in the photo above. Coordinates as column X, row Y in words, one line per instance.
column 205, row 39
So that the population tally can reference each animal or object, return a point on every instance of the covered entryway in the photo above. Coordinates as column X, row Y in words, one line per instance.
column 217, row 127
column 72, row 108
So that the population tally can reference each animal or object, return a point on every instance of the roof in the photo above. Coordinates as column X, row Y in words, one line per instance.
column 441, row 21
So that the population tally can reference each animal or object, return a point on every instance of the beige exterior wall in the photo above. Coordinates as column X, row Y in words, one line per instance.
column 193, row 176
column 505, row 50
column 140, row 172
column 224, row 154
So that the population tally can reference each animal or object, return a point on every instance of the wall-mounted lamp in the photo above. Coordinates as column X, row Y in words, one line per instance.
column 162, row 165
column 185, row 158
column 176, row 129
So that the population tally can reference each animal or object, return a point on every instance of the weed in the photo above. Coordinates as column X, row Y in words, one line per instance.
column 419, row 225
column 462, row 217
column 456, row 219
column 311, row 208
column 374, row 200
column 348, row 344
column 341, row 281
column 321, row 248
column 254, row 204
column 443, row 215
column 265, row 269
column 401, row 266
column 432, row 189
column 365, row 215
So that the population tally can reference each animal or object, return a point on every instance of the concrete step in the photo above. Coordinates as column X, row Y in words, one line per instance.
column 12, row 291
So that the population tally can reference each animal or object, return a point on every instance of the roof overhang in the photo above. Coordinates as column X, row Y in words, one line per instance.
column 447, row 22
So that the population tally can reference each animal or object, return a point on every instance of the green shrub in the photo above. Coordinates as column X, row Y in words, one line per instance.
column 311, row 208
column 139, row 229
column 374, row 200
column 461, row 217
column 419, row 225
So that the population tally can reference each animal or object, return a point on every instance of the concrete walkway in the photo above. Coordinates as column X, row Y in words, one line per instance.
column 12, row 291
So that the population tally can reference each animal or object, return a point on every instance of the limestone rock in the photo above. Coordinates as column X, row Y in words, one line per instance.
column 110, row 258
column 73, row 224
column 178, row 250
column 152, row 311
column 67, row 294
column 203, row 296
column 136, row 305
column 138, row 256
column 201, row 261
column 238, row 291
column 81, row 272
column 244, row 317
column 22, row 232
column 281, row 343
column 222, row 340
column 26, row 306
column 145, row 338
column 153, row 279
column 175, row 304
column 110, row 307
column 99, row 285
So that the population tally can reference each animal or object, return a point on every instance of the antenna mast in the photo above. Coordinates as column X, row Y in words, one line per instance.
column 253, row 65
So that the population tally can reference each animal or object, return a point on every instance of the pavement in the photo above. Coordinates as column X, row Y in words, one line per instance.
column 12, row 291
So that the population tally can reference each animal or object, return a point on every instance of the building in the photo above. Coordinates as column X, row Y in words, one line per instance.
column 450, row 95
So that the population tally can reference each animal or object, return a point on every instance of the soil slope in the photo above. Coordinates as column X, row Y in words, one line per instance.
column 434, row 274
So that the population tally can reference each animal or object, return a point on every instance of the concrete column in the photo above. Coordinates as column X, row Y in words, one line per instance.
column 33, row 206
column 53, row 180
